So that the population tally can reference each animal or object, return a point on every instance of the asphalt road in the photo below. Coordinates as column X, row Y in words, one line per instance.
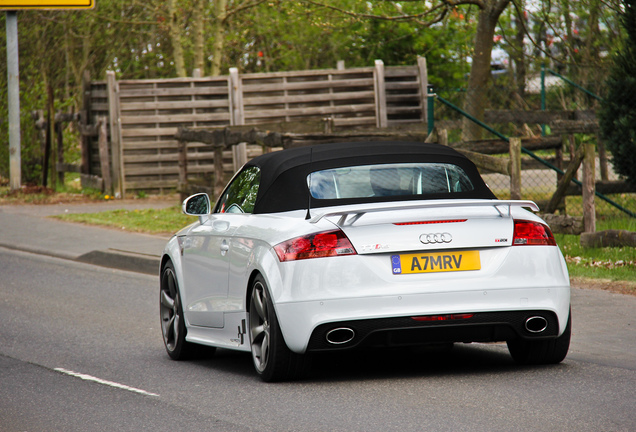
column 59, row 317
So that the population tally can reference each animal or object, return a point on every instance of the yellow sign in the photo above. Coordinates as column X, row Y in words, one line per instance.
column 46, row 4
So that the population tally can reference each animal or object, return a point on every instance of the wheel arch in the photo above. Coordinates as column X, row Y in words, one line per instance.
column 172, row 254
column 249, row 288
column 164, row 259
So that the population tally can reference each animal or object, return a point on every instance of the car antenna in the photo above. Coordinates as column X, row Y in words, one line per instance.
column 311, row 160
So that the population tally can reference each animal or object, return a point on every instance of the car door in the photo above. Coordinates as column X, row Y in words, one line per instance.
column 206, row 252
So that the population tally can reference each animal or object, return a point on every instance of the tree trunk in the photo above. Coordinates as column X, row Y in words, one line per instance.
column 175, row 39
column 479, row 80
column 519, row 58
column 590, row 57
column 220, row 14
column 567, row 19
column 199, row 54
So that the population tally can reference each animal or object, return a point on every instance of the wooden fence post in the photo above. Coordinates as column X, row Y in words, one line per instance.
column 47, row 166
column 602, row 156
column 589, row 188
column 572, row 146
column 183, row 169
column 328, row 125
column 565, row 180
column 219, row 184
column 103, row 154
column 239, row 152
column 381, row 118
column 115, row 137
column 423, row 75
column 59, row 126
column 41, row 125
column 84, row 120
column 515, row 168
column 46, row 148
column 442, row 137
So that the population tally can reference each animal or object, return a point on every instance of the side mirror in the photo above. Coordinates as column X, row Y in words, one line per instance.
column 196, row 205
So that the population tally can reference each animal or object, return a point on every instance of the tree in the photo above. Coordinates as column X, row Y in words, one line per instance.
column 220, row 21
column 175, row 38
column 56, row 47
column 432, row 13
column 479, row 81
column 617, row 115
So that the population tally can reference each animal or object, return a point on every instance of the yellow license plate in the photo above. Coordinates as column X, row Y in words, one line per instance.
column 435, row 262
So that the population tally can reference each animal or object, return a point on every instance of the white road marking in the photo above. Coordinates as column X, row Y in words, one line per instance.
column 104, row 382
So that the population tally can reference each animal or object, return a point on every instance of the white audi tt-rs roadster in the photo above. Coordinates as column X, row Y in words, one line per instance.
column 353, row 245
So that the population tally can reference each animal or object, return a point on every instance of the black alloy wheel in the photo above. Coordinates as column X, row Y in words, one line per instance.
column 172, row 321
column 273, row 360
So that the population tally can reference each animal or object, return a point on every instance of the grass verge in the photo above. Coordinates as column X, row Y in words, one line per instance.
column 603, row 263
column 611, row 269
column 151, row 221
column 607, row 265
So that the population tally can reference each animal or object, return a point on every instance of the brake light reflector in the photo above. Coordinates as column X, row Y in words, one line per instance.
column 430, row 222
column 532, row 233
column 443, row 317
column 320, row 245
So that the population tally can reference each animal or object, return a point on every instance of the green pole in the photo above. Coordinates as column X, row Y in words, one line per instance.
column 430, row 120
column 575, row 85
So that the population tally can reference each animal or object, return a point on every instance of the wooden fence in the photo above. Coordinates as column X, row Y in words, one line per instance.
column 144, row 115
column 510, row 166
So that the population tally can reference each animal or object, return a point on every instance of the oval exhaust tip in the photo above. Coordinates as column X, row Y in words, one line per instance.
column 536, row 324
column 340, row 335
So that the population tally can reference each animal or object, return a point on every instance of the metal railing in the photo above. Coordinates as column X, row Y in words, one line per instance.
column 431, row 125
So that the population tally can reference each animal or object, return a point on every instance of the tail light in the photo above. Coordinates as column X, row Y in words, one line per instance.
column 532, row 233
column 324, row 244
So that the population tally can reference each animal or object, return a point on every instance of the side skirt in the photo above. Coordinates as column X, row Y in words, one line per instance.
column 233, row 336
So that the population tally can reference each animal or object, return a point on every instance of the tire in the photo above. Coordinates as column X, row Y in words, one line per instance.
column 273, row 360
column 550, row 351
column 172, row 321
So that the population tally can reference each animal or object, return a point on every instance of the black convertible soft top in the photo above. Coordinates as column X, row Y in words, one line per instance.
column 283, row 183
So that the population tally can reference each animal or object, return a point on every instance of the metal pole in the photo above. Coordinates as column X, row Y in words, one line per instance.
column 13, row 84
column 531, row 154
column 575, row 85
column 543, row 96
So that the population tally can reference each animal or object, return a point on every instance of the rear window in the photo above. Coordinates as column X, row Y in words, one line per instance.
column 388, row 180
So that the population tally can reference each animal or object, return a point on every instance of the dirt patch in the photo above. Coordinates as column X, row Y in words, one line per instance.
column 620, row 287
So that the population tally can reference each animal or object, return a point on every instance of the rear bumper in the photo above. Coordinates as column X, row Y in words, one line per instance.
column 405, row 331
column 500, row 315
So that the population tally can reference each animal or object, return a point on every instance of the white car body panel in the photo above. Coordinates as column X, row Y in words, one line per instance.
column 370, row 290
column 311, row 292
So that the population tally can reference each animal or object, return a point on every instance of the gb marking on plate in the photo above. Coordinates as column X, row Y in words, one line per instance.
column 396, row 264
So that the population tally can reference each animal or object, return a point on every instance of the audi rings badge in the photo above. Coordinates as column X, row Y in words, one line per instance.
column 436, row 238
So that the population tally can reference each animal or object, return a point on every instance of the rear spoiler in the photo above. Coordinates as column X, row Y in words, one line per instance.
column 359, row 211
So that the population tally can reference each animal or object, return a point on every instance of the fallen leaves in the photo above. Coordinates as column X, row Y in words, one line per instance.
column 608, row 264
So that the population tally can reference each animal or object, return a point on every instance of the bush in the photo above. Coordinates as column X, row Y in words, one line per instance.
column 617, row 115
